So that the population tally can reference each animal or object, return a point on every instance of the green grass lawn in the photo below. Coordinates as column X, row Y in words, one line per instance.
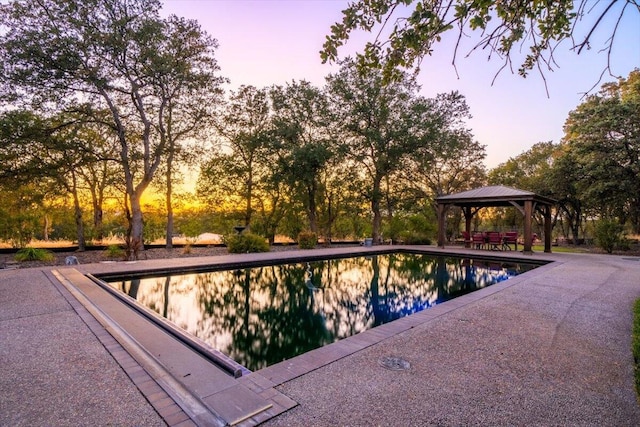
column 572, row 249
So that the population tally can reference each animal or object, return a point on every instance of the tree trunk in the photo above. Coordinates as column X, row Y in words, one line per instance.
column 248, row 208
column 575, row 227
column 375, row 208
column 79, row 226
column 388, row 199
column 78, row 215
column 136, row 228
column 169, row 236
column 312, row 208
column 97, row 222
column 330, row 219
column 96, row 201
column 45, row 230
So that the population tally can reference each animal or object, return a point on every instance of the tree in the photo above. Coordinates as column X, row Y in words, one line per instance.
column 20, row 212
column 46, row 150
column 505, row 29
column 24, row 141
column 107, row 54
column 528, row 171
column 64, row 152
column 452, row 161
column 24, row 179
column 189, row 97
column 273, row 205
column 232, row 175
column 602, row 133
column 565, row 180
column 534, row 170
column 337, row 198
column 382, row 126
column 302, row 141
column 100, row 172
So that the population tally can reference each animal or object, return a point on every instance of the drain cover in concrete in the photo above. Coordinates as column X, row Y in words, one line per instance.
column 394, row 363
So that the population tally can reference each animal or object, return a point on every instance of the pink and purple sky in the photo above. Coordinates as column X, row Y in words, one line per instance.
column 265, row 42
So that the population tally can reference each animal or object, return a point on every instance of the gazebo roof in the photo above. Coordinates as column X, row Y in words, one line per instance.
column 473, row 200
column 496, row 195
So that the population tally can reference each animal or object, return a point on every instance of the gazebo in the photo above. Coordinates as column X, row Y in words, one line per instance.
column 495, row 196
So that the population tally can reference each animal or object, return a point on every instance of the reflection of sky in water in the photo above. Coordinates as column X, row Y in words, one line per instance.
column 261, row 316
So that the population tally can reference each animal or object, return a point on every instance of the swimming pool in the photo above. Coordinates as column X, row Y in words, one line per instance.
column 262, row 315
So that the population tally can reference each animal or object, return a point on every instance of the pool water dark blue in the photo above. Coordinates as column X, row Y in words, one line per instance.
column 263, row 315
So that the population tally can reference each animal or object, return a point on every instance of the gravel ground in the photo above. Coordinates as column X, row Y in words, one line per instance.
column 551, row 349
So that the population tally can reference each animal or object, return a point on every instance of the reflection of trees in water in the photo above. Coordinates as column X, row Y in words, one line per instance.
column 261, row 316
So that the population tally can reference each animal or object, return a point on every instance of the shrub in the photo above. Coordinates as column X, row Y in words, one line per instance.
column 624, row 244
column 414, row 238
column 34, row 254
column 245, row 243
column 114, row 251
column 188, row 246
column 608, row 234
column 307, row 240
column 186, row 249
column 415, row 228
column 394, row 228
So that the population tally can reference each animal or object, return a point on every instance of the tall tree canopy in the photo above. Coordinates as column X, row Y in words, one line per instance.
column 384, row 126
column 453, row 161
column 530, row 170
column 593, row 172
column 235, row 172
column 114, row 55
column 603, row 133
column 506, row 28
column 303, row 141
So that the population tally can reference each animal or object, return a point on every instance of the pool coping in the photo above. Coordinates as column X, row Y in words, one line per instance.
column 263, row 382
column 273, row 258
column 302, row 364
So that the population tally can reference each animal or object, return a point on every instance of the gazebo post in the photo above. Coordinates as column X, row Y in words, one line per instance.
column 528, row 212
column 468, row 216
column 442, row 210
column 547, row 229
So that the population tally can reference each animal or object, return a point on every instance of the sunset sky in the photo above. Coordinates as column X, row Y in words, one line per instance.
column 265, row 42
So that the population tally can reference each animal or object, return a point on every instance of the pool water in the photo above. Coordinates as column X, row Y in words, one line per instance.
column 263, row 315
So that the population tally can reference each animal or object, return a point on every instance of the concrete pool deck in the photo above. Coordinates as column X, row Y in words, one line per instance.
column 549, row 347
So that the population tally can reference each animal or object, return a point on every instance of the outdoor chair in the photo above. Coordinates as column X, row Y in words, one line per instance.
column 478, row 240
column 510, row 237
column 495, row 241
column 467, row 239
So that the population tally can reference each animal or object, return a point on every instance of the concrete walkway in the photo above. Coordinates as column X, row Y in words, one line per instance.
column 54, row 371
column 549, row 347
